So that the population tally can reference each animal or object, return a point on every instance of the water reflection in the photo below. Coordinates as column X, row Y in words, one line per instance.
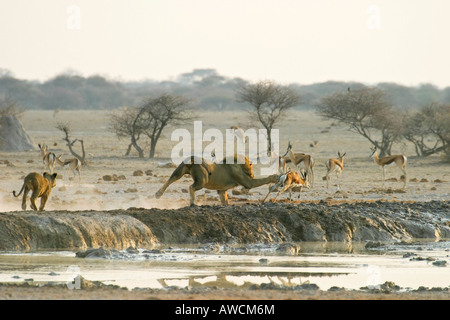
column 241, row 266
column 246, row 280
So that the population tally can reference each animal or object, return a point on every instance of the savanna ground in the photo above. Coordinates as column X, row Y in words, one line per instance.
column 428, row 179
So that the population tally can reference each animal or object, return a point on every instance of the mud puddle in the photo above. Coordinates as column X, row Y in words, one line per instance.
column 350, row 266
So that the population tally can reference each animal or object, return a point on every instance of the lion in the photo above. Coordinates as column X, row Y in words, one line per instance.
column 214, row 176
column 41, row 185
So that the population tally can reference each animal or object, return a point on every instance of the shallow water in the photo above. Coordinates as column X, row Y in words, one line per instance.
column 408, row 265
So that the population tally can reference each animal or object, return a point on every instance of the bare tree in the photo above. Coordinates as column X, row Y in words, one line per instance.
column 64, row 127
column 270, row 101
column 367, row 112
column 150, row 119
column 157, row 113
column 126, row 125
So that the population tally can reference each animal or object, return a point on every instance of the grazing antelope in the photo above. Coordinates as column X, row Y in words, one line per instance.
column 74, row 165
column 335, row 165
column 308, row 162
column 398, row 159
column 287, row 181
column 48, row 158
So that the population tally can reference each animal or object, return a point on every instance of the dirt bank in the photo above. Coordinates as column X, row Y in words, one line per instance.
column 249, row 223
column 29, row 231
column 281, row 222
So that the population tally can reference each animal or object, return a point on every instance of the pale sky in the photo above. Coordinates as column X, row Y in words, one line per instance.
column 370, row 41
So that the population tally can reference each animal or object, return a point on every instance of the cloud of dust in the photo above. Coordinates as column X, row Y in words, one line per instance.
column 70, row 196
column 10, row 205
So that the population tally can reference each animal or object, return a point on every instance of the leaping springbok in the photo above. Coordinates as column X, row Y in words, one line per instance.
column 398, row 159
column 287, row 181
column 74, row 165
column 48, row 158
column 335, row 165
column 308, row 162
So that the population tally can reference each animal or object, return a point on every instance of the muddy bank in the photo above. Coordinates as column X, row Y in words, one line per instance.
column 283, row 222
column 31, row 231
column 249, row 223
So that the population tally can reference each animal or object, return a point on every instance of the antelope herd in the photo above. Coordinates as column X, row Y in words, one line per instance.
column 291, row 179
column 299, row 175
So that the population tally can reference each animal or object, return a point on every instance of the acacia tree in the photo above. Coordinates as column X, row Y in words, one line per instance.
column 429, row 129
column 157, row 113
column 150, row 119
column 270, row 102
column 367, row 112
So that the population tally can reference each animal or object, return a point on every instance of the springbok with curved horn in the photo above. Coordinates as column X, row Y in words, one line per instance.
column 48, row 158
column 398, row 159
column 74, row 165
column 335, row 165
column 288, row 181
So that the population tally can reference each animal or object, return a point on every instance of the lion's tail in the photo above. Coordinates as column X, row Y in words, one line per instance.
column 20, row 192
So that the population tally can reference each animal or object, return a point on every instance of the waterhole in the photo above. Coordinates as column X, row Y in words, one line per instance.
column 326, row 265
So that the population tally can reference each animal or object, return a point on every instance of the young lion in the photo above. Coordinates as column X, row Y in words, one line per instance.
column 41, row 187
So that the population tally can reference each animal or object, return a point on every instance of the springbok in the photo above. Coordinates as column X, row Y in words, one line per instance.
column 282, row 165
column 335, row 165
column 48, row 158
column 398, row 159
column 308, row 162
column 74, row 165
column 288, row 181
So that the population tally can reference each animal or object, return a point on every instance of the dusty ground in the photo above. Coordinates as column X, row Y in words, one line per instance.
column 428, row 179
